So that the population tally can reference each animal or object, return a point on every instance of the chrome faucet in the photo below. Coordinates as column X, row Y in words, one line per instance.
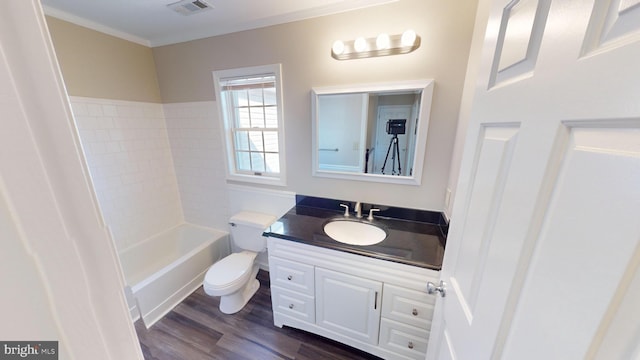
column 358, row 210
column 346, row 209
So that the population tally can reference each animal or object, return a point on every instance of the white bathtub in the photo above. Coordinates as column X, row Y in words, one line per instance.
column 163, row 270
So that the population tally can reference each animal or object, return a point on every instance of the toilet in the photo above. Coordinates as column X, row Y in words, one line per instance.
column 234, row 277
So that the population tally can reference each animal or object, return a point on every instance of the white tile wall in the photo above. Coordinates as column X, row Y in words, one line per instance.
column 154, row 166
column 130, row 161
column 197, row 146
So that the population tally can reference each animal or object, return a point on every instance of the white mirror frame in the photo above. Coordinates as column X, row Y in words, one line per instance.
column 421, row 137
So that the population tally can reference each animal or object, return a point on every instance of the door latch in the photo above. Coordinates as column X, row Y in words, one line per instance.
column 442, row 289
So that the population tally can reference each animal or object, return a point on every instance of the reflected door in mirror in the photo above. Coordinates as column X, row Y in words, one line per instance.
column 342, row 131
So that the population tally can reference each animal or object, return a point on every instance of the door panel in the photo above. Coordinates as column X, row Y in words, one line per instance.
column 613, row 23
column 573, row 254
column 491, row 168
column 519, row 38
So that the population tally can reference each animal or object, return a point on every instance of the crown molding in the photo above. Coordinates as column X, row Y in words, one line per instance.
column 63, row 15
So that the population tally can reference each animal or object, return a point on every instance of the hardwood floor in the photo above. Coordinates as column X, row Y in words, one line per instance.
column 196, row 329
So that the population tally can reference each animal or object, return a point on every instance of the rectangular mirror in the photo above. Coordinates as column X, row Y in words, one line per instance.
column 374, row 132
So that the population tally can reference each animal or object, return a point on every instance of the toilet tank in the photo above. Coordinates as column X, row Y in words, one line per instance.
column 247, row 228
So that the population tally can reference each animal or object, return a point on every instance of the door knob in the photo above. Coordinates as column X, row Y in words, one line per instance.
column 442, row 289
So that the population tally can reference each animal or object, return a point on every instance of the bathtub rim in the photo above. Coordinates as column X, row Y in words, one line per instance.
column 148, row 239
column 169, row 266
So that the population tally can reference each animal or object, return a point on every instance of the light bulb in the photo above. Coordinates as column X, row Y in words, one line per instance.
column 408, row 38
column 383, row 41
column 338, row 47
column 360, row 44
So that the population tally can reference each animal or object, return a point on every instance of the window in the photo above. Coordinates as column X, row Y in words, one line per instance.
column 250, row 101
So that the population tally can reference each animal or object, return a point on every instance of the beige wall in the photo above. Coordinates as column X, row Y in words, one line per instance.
column 102, row 66
column 303, row 48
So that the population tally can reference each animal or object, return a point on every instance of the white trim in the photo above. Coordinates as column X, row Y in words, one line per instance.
column 104, row 101
column 363, row 132
column 201, row 33
column 375, row 87
column 345, row 168
column 230, row 167
column 387, row 179
column 74, row 19
column 209, row 31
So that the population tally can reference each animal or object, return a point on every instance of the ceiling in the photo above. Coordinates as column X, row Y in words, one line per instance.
column 152, row 23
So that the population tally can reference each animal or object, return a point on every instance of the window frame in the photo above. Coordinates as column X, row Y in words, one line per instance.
column 228, row 126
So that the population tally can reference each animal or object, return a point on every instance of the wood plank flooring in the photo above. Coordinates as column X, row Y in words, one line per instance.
column 196, row 329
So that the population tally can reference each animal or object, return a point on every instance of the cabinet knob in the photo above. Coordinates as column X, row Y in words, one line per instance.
column 410, row 345
column 414, row 312
column 289, row 277
column 290, row 306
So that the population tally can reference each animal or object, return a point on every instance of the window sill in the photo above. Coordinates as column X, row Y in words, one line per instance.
column 257, row 179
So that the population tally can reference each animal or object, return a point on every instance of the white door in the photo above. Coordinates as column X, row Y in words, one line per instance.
column 543, row 255
column 384, row 149
column 348, row 305
column 342, row 132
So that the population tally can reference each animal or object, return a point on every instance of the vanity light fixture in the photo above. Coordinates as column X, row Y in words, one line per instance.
column 381, row 45
column 360, row 44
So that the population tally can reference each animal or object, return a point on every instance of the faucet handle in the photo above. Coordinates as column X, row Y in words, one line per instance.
column 371, row 213
column 346, row 209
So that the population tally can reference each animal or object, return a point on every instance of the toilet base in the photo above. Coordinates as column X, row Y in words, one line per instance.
column 232, row 303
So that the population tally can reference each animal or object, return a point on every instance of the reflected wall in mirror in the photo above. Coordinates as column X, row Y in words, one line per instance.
column 375, row 132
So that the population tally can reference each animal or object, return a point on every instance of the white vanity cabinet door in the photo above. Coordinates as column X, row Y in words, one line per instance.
column 348, row 305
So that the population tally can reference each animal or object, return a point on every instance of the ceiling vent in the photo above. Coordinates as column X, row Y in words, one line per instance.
column 189, row 7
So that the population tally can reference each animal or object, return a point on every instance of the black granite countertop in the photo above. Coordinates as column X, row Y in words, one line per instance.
column 415, row 237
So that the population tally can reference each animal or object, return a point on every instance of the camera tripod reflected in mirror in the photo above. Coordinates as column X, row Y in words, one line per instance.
column 395, row 127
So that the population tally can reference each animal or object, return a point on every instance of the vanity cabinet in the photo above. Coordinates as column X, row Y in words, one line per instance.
column 375, row 305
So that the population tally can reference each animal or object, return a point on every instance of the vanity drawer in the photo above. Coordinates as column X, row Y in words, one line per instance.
column 403, row 339
column 408, row 306
column 293, row 304
column 291, row 275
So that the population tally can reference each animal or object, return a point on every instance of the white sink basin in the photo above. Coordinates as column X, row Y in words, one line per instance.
column 354, row 232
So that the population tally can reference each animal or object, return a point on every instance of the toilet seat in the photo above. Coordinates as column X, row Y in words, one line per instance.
column 230, row 271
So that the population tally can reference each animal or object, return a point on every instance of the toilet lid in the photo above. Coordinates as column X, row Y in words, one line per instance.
column 229, row 269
